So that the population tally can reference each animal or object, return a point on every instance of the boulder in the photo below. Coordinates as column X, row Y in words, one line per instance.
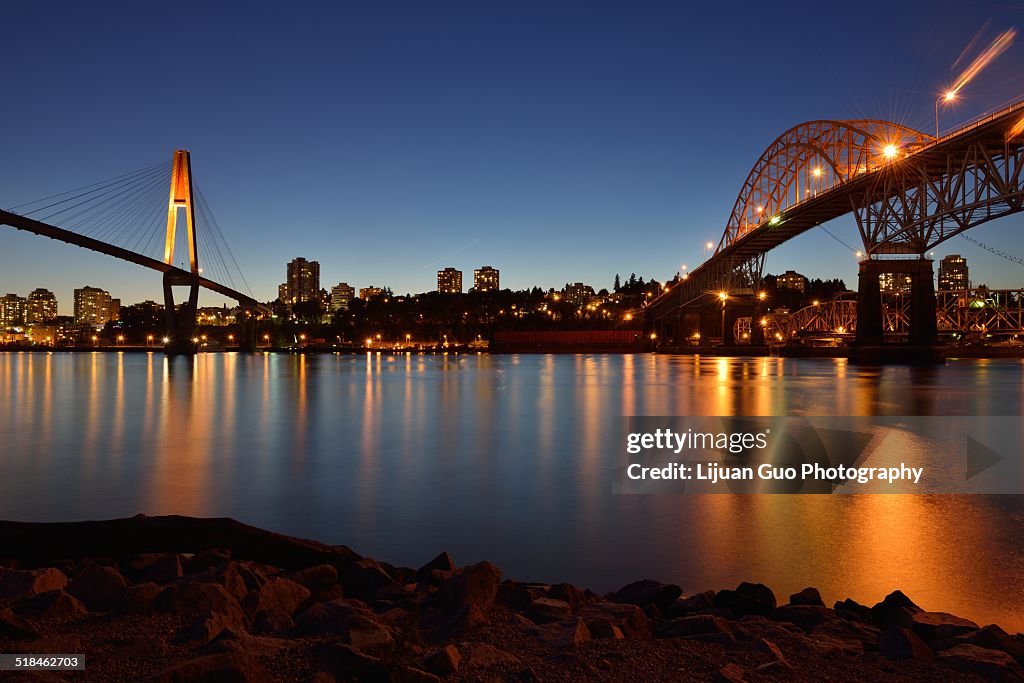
column 472, row 589
column 140, row 597
column 14, row 627
column 629, row 618
column 208, row 626
column 568, row 634
column 995, row 638
column 442, row 562
column 898, row 643
column 16, row 584
column 210, row 558
column 804, row 616
column 936, row 626
column 278, row 594
column 153, row 567
column 603, row 628
column 355, row 626
column 854, row 611
column 992, row 665
column 445, row 661
column 895, row 610
column 647, row 592
column 225, row 667
column 568, row 593
column 703, row 627
column 748, row 598
column 318, row 579
column 364, row 578
column 52, row 605
column 694, row 604
column 98, row 587
column 198, row 599
column 272, row 621
column 547, row 610
column 808, row 596
column 515, row 595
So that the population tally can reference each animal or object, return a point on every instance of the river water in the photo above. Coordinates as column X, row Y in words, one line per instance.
column 506, row 458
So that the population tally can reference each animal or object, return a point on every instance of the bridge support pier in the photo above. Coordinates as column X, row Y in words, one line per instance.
column 869, row 345
column 181, row 322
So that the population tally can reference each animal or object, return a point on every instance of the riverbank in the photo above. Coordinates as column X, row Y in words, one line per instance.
column 186, row 599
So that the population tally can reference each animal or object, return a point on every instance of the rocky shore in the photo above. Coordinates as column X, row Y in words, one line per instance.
column 185, row 600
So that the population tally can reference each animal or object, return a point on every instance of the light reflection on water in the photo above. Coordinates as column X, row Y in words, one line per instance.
column 507, row 458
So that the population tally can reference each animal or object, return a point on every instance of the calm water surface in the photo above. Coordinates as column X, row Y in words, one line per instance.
column 506, row 458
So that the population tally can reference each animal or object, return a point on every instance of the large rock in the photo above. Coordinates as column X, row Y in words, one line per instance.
column 198, row 599
column 365, row 578
column 225, row 667
column 895, row 610
column 208, row 626
column 98, row 587
column 52, row 605
column 140, row 597
column 995, row 638
column 279, row 594
column 484, row 656
column 442, row 562
column 470, row 591
column 647, row 592
column 563, row 635
column 445, row 661
column 153, row 567
column 748, row 598
column 992, row 665
column 804, row 616
column 603, row 628
column 355, row 626
column 808, row 596
column 936, row 626
column 567, row 593
column 629, row 618
column 14, row 627
column 898, row 643
column 694, row 604
column 271, row 621
column 16, row 584
column 854, row 611
column 704, row 627
column 318, row 579
column 547, row 610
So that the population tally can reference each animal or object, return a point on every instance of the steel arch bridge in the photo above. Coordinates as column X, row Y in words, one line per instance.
column 908, row 191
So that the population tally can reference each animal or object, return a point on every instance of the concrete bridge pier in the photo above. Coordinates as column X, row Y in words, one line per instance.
column 869, row 344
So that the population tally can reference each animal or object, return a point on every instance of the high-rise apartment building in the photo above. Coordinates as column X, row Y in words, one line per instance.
column 93, row 306
column 485, row 279
column 12, row 310
column 41, row 306
column 578, row 293
column 449, row 281
column 894, row 282
column 953, row 273
column 341, row 296
column 303, row 281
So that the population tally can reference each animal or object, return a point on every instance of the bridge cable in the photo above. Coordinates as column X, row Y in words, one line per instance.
column 993, row 250
column 79, row 189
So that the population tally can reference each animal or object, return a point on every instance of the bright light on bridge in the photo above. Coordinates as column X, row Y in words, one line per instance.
column 775, row 220
column 817, row 172
column 890, row 151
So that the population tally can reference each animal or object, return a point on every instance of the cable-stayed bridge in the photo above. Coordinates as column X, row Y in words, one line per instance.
column 135, row 218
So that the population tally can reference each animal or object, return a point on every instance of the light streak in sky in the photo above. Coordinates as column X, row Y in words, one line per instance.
column 998, row 46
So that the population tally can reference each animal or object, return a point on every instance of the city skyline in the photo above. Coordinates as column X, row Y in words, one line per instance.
column 614, row 146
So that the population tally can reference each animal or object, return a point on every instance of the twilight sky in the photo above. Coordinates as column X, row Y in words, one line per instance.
column 556, row 141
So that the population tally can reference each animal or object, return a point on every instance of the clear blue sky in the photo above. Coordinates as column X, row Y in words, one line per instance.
column 557, row 141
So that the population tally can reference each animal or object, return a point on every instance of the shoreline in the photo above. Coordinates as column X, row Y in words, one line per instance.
column 189, row 599
column 947, row 353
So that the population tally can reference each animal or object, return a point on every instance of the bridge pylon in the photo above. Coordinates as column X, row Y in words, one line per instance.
column 181, row 320
column 869, row 345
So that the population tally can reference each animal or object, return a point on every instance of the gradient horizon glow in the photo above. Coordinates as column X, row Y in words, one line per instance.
column 558, row 142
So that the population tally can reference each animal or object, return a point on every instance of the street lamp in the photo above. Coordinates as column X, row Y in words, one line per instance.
column 723, row 297
column 944, row 98
column 708, row 246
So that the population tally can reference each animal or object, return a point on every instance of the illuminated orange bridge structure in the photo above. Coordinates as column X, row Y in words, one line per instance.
column 908, row 191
